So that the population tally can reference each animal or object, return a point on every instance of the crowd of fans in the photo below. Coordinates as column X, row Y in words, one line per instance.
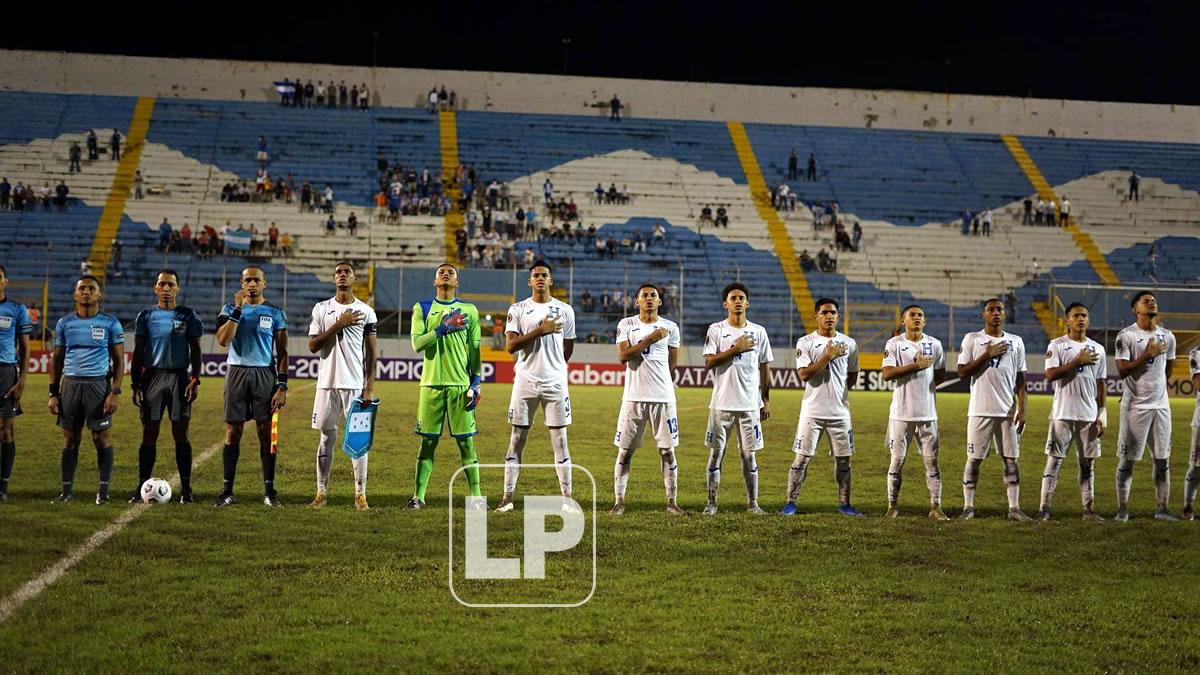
column 440, row 99
column 293, row 94
column 206, row 241
column 21, row 197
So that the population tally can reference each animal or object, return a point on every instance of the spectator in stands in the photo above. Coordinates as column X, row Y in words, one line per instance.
column 531, row 223
column 841, row 238
column 605, row 301
column 164, row 236
column 1039, row 218
column 93, row 145
column 202, row 243
column 1010, row 302
column 572, row 211
column 460, row 244
column 599, row 191
column 626, row 196
column 286, row 91
column 45, row 193
column 320, row 93
column 669, row 295
column 823, row 260
column 328, row 198
column 343, row 95
column 812, row 168
column 309, row 90
column 793, row 165
column 1035, row 270
column 185, row 238
column 529, row 257
column 364, row 97
column 453, row 100
column 352, row 224
column 493, row 194
column 722, row 216
column 114, row 145
column 263, row 156
column 73, row 155
column 599, row 248
column 504, row 197
column 858, row 232
column 432, row 100
column 639, row 242
column 611, row 247
column 1134, row 182
column 273, row 238
column 1027, row 218
column 137, row 184
column 60, row 195
column 5, row 191
column 987, row 222
column 1152, row 263
column 975, row 225
column 806, row 261
column 615, row 109
column 1064, row 211
column 706, row 215
column 18, row 197
column 659, row 235
column 330, row 225
column 548, row 191
column 966, row 222
column 285, row 243
column 588, row 303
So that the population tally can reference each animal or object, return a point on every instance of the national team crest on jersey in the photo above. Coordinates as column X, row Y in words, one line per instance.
column 360, row 428
column 927, row 348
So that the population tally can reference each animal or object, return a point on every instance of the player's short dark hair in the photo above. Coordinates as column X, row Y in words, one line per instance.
column 255, row 267
column 541, row 263
column 87, row 277
column 908, row 307
column 3, row 271
column 990, row 301
column 343, row 262
column 826, row 301
column 735, row 286
column 1138, row 296
column 168, row 270
column 445, row 264
column 647, row 285
column 1073, row 305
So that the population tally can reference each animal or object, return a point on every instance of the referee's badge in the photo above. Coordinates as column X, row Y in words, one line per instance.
column 5, row 322
column 264, row 323
column 177, row 326
column 98, row 333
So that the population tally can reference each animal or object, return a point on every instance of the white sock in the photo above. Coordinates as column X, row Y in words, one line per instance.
column 895, row 478
column 516, row 445
column 1192, row 479
column 562, row 458
column 360, row 474
column 325, row 458
column 621, row 472
column 1012, row 482
column 1124, row 481
column 670, row 471
column 1087, row 481
column 1162, row 482
column 1049, row 480
column 796, row 476
column 715, row 457
column 970, row 480
column 933, row 478
column 750, row 474
column 841, row 472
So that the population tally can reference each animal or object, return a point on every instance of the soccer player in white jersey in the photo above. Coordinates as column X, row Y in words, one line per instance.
column 540, row 333
column 917, row 363
column 738, row 353
column 995, row 362
column 1077, row 367
column 648, row 345
column 342, row 331
column 1192, row 480
column 828, row 365
column 1145, row 354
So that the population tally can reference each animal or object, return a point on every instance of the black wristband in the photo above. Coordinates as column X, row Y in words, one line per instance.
column 54, row 389
column 236, row 315
column 281, row 378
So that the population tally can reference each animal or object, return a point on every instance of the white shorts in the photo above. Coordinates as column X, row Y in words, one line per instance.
column 749, row 430
column 526, row 396
column 635, row 415
column 900, row 432
column 330, row 407
column 808, row 435
column 981, row 431
column 1141, row 428
column 1065, row 432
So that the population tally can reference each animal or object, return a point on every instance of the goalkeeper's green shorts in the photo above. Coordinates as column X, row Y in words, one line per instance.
column 437, row 404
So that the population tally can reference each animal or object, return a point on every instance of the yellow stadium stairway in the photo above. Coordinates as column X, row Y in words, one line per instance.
column 801, row 296
column 1050, row 323
column 448, row 133
column 1082, row 239
column 364, row 288
column 114, row 205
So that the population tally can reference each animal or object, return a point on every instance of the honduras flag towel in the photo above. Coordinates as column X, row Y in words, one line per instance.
column 360, row 428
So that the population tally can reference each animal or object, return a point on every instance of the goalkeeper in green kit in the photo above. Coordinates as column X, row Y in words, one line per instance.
column 445, row 330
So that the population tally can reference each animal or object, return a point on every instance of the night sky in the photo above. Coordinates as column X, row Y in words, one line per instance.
column 1115, row 51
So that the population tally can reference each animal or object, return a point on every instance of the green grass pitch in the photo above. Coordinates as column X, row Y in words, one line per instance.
column 191, row 588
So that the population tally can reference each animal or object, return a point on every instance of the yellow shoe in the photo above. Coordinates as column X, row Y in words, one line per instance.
column 935, row 513
column 360, row 502
column 318, row 501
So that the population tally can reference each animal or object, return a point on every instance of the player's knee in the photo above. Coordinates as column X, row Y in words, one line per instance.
column 100, row 439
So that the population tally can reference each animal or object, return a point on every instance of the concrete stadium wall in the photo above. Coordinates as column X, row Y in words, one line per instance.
column 56, row 72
